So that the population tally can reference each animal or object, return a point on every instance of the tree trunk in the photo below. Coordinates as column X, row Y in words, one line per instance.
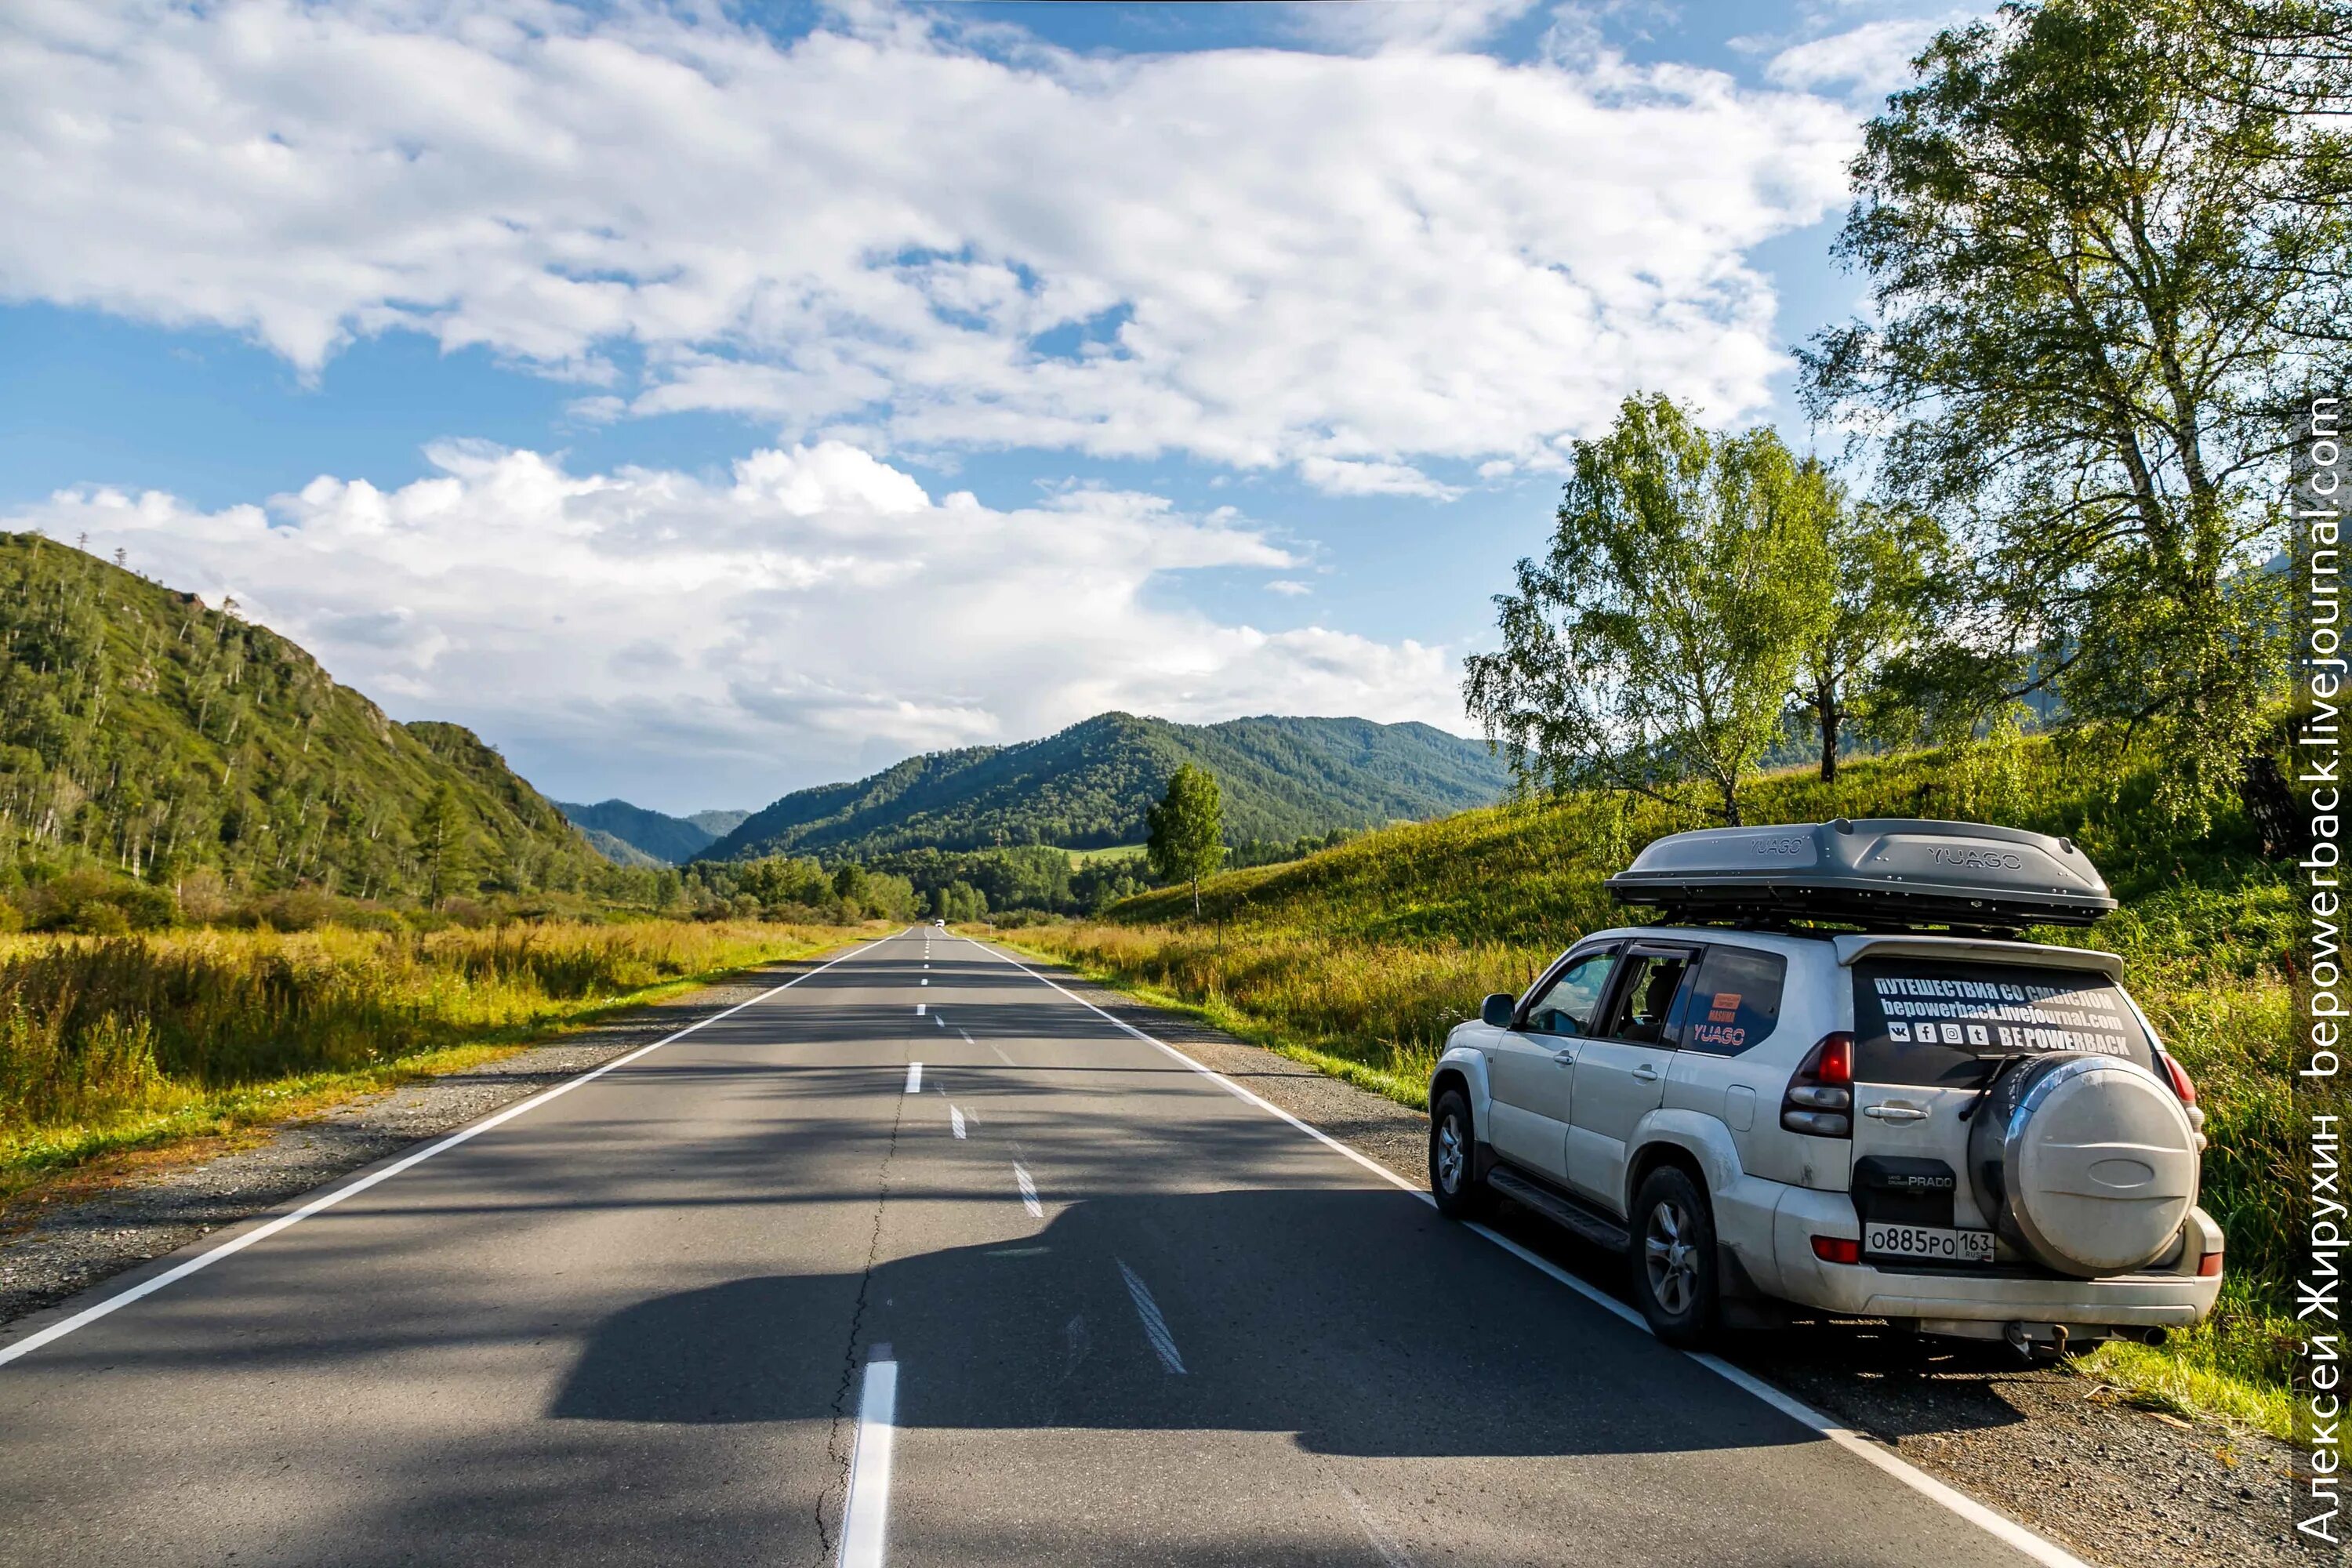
column 1730, row 788
column 1830, row 719
column 1196, row 898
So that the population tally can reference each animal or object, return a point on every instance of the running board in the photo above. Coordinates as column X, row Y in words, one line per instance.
column 1566, row 1213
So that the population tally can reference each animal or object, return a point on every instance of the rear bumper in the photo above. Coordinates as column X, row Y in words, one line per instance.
column 1861, row 1291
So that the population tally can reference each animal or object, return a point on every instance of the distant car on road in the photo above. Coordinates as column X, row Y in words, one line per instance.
column 941, row 924
column 1966, row 1134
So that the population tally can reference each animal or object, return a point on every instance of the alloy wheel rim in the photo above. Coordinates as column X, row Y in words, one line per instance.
column 1670, row 1260
column 1449, row 1154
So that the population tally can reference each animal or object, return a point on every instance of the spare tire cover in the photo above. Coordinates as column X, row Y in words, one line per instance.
column 2089, row 1162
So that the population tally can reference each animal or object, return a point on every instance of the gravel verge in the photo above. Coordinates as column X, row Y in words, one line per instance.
column 53, row 1250
column 2115, row 1484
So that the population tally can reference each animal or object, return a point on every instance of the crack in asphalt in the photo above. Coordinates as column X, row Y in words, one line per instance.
column 841, row 1443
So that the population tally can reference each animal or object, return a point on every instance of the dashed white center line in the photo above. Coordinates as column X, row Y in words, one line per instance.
column 866, row 1514
column 1028, row 1191
column 919, row 1009
column 956, row 1117
column 1155, row 1327
column 914, row 1078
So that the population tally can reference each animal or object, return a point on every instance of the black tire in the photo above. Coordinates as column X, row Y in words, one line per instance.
column 1676, row 1278
column 1453, row 1159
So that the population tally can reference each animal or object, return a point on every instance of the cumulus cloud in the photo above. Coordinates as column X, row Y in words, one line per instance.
column 935, row 236
column 1869, row 61
column 687, row 641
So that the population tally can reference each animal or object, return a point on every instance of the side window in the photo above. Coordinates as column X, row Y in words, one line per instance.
column 1736, row 1001
column 1566, row 1006
column 1646, row 997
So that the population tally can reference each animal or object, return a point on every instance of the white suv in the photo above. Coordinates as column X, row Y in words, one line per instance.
column 1965, row 1134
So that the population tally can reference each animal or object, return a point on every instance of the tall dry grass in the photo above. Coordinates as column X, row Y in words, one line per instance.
column 103, row 1036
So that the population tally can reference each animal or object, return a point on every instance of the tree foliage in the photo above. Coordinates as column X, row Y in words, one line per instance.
column 2103, row 256
column 1888, row 570
column 1188, row 830
column 1660, row 636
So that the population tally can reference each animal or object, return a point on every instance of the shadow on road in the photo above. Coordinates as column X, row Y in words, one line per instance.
column 1358, row 1320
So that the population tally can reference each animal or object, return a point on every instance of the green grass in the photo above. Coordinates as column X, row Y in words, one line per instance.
column 115, row 1043
column 1114, row 852
column 1359, row 960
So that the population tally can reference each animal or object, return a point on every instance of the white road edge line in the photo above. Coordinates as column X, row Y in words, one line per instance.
column 866, row 1515
column 1028, row 1191
column 2039, row 1548
column 320, row 1204
column 1155, row 1327
column 914, row 1078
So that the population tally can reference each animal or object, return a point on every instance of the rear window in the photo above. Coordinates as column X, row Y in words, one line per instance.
column 1929, row 1024
column 1735, row 1002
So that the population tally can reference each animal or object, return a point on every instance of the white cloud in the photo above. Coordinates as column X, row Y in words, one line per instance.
column 1288, row 587
column 682, row 640
column 1870, row 60
column 930, row 238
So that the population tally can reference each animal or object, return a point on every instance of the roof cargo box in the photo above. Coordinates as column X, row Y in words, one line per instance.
column 1890, row 871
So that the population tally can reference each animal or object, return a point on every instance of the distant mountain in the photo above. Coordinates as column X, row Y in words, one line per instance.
column 1089, row 786
column 717, row 824
column 668, row 840
column 619, row 851
column 144, row 731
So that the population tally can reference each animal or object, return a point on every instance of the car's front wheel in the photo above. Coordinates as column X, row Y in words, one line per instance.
column 1674, row 1280
column 1454, row 1158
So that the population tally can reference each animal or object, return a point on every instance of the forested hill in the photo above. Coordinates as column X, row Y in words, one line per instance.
column 672, row 840
column 1089, row 786
column 144, row 731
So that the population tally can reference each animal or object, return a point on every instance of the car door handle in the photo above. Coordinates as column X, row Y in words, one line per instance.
column 1565, row 1058
column 1894, row 1113
column 1647, row 1073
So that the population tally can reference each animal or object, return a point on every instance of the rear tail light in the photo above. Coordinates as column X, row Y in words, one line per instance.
column 1820, row 1099
column 2208, row 1265
column 1837, row 1249
column 2177, row 1077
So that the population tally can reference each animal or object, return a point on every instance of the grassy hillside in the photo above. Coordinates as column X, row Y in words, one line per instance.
column 1090, row 785
column 1361, row 958
column 144, row 733
column 663, row 839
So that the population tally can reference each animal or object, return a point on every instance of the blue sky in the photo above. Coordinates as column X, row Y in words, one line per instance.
column 701, row 405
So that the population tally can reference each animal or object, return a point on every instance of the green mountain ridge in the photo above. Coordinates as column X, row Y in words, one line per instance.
column 654, row 836
column 144, row 731
column 1090, row 786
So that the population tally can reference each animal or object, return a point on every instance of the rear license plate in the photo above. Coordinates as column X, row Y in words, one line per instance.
column 1926, row 1242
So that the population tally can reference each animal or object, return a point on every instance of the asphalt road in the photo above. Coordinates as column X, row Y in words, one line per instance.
column 1120, row 1313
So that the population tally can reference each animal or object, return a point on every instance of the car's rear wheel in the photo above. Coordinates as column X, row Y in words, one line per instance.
column 1674, row 1278
column 1454, row 1158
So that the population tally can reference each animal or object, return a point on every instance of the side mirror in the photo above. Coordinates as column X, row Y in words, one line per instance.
column 1495, row 1010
